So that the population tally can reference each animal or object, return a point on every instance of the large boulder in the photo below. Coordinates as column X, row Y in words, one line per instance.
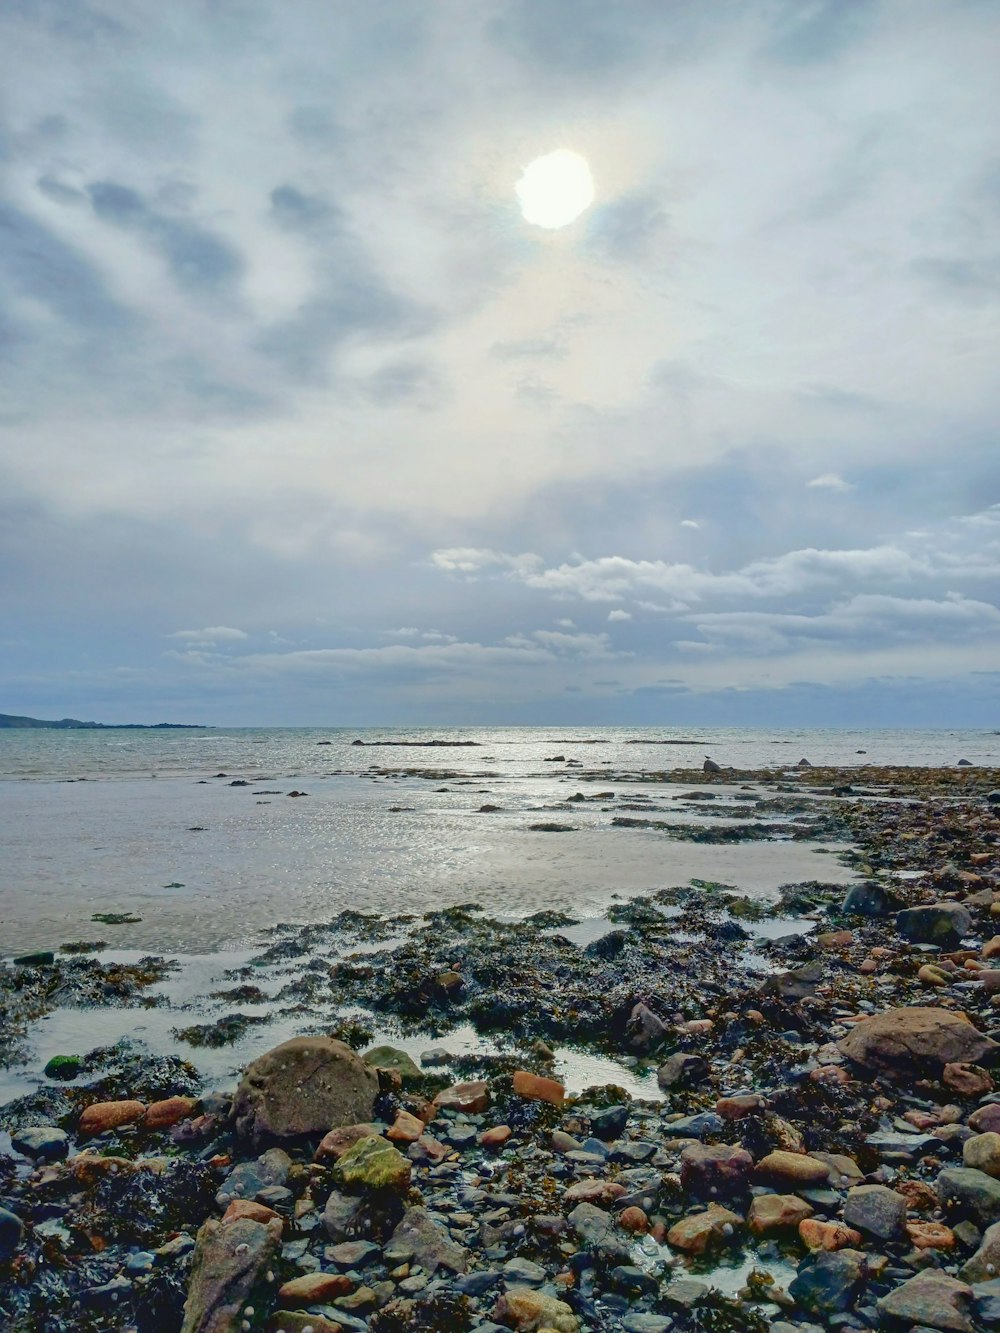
column 919, row 1040
column 229, row 1260
column 305, row 1086
column 937, row 923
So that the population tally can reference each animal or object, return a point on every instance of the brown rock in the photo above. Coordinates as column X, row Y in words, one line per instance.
column 406, row 1128
column 304, row 1086
column 790, row 1168
column 933, row 976
column 986, row 1119
column 170, row 1111
column 991, row 949
column 930, row 1236
column 600, row 1192
column 905, row 1041
column 472, row 1098
column 338, row 1141
column 633, row 1220
column 844, row 1171
column 314, row 1289
column 228, row 1262
column 297, row 1321
column 699, row 1232
column 835, row 939
column 819, row 1235
column 982, row 1153
column 257, row 1212
column 735, row 1108
column 527, row 1311
column 772, row 1212
column 495, row 1137
column 99, row 1117
column 933, row 1298
column 534, row 1088
column 919, row 1196
column 966, row 1079
column 716, row 1170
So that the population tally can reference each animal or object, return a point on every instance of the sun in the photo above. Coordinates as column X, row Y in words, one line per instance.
column 555, row 189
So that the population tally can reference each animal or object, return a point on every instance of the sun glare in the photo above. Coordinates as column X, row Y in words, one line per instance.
column 555, row 189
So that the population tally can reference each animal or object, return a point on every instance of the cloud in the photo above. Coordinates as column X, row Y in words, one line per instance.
column 830, row 481
column 213, row 634
column 619, row 614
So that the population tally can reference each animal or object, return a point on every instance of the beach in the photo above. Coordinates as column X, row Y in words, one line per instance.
column 585, row 1036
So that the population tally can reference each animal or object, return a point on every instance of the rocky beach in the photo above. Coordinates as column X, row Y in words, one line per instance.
column 703, row 1110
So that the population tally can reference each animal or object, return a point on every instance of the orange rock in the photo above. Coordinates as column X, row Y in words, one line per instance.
column 600, row 1192
column 918, row 1195
column 495, row 1137
column 257, row 1212
column 472, row 1098
column 819, row 1235
column 172, row 1110
column 406, row 1128
column 433, row 1148
column 930, row 1236
column 967, row 1079
column 534, row 1088
column 696, row 1026
column 314, row 1289
column 991, row 949
column 337, row 1142
column 755, row 1016
column 102, row 1116
column 633, row 1220
column 830, row 1074
column 869, row 965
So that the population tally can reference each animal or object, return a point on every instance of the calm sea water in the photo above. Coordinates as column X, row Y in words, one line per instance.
column 141, row 822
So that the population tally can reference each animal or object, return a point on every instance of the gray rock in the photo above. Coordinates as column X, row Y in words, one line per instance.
column 695, row 1126
column 918, row 1040
column 932, row 1299
column 341, row 1214
column 683, row 1069
column 475, row 1284
column 645, row 1030
column 647, row 1323
column 352, row 1253
column 43, row 1142
column 248, row 1179
column 685, row 1293
column 877, row 1210
column 984, row 1266
column 523, row 1273
column 972, row 1192
column 11, row 1231
column 229, row 1259
column 869, row 899
column 986, row 1302
column 598, row 1231
column 305, row 1086
column 829, row 1282
column 419, row 1238
column 937, row 923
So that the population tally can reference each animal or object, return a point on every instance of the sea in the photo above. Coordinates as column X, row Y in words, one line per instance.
column 195, row 839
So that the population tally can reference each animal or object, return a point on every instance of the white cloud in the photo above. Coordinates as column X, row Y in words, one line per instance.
column 619, row 614
column 830, row 481
column 690, row 523
column 212, row 634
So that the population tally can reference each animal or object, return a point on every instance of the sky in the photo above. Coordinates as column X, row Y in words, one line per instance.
column 302, row 422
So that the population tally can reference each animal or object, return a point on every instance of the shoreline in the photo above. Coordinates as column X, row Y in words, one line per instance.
column 782, row 1169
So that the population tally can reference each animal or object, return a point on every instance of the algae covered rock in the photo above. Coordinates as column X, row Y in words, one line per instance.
column 371, row 1165
column 393, row 1059
column 305, row 1086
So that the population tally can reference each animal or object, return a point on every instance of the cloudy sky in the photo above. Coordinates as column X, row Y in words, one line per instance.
column 301, row 421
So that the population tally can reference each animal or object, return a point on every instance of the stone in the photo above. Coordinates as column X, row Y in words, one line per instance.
column 339, row 1141
column 930, row 1236
column 470, row 1098
column 817, row 1235
column 257, row 1212
column 967, row 1080
column 406, row 1128
column 229, row 1259
column 984, row 1265
column 699, row 1232
column 534, row 1088
column 737, row 1108
column 936, row 923
column 304, row 1086
column 313, row 1289
column 790, row 1168
column 341, row 1214
column 371, row 1165
column 645, row 1030
column 609, row 1124
column 982, row 1153
column 695, row 1126
column 248, row 1179
column 683, row 1069
column 419, row 1239
column 773, row 1212
column 917, row 1040
column 393, row 1059
column 829, row 1281
column 869, row 899
column 633, row 1220
column 876, row 1210
column 931, row 1299
column 973, row 1192
column 297, row 1321
column 844, row 1171
column 707, row 1172
column 168, row 1112
column 11, row 1233
column 594, row 1191
column 495, row 1137
column 100, row 1117
column 528, row 1311
column 523, row 1272
column 986, row 1119
column 42, row 1142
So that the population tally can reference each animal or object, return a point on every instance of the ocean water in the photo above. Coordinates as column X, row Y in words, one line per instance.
column 147, row 822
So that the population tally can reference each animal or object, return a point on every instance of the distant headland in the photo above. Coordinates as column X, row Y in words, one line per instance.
column 74, row 724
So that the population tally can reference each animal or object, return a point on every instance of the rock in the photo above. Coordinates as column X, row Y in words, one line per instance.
column 523, row 1273
column 869, row 899
column 772, row 1212
column 985, row 1263
column 419, row 1239
column 43, row 958
column 645, row 1030
column 495, row 1137
column 405, row 1128
column 918, row 1040
column 737, row 1108
column 695, row 1126
column 982, row 1153
column 710, row 766
column 249, row 1179
column 297, row 1321
column 63, row 1067
column 313, row 1289
column 534, row 1088
column 707, row 1172
column 829, row 1281
column 682, row 1070
column 528, row 1311
column 967, row 1080
column 698, row 1232
column 470, row 1098
column 817, row 1235
column 610, row 1123
column 42, row 1142
column 972, row 1192
column 844, row 1171
column 599, row 1192
column 100, row 1117
column 986, row 1119
column 986, row 1300
column 931, row 1299
column 393, row 1059
column 168, row 1112
column 229, row 1259
column 371, row 1165
column 257, row 1212
column 929, row 975
column 798, row 984
column 937, row 923
column 930, row 1236
column 791, row 1168
column 633, row 1220
column 338, row 1141
column 11, row 1231
column 304, row 1086
column 877, row 1210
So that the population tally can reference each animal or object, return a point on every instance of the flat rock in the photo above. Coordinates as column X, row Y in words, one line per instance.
column 527, row 1311
column 304, row 1086
column 973, row 1192
column 773, row 1212
column 699, row 1232
column 418, row 1238
column 917, row 1040
column 935, row 923
column 877, row 1210
column 791, row 1168
column 931, row 1299
column 373, row 1164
